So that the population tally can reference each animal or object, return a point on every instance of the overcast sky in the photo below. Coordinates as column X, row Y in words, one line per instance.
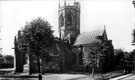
column 117, row 15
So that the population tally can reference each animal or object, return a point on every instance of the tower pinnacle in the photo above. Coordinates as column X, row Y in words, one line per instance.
column 65, row 3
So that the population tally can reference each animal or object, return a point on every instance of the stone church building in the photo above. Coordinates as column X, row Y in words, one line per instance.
column 66, row 56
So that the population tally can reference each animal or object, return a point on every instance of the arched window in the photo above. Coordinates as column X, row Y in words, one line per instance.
column 61, row 20
column 69, row 20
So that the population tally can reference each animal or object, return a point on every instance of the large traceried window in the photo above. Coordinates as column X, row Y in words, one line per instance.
column 61, row 20
column 69, row 20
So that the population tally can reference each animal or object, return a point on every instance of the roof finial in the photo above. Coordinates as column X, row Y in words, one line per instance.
column 104, row 27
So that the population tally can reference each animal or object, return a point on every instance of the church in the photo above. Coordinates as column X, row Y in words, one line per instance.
column 68, row 56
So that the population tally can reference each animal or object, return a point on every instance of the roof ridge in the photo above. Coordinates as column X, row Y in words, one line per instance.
column 93, row 31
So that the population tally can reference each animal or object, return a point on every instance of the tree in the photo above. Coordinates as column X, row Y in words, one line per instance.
column 129, row 61
column 9, row 59
column 0, row 50
column 133, row 56
column 119, row 58
column 92, row 56
column 123, row 60
column 1, row 58
column 98, row 55
column 36, row 37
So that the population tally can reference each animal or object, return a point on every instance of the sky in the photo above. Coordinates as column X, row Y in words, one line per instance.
column 117, row 15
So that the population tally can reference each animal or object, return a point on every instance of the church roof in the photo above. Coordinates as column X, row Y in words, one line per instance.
column 88, row 37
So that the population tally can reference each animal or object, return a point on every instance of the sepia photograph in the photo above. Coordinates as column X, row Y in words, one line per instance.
column 67, row 39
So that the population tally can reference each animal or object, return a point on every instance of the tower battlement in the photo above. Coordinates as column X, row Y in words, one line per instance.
column 69, row 3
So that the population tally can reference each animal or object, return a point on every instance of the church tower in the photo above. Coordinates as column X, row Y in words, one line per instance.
column 69, row 20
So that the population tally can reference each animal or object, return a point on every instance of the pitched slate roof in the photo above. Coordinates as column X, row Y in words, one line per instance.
column 88, row 37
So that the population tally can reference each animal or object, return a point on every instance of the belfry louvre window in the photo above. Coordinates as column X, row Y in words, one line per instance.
column 69, row 20
column 61, row 21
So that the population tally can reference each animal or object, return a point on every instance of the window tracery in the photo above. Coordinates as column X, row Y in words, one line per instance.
column 69, row 20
